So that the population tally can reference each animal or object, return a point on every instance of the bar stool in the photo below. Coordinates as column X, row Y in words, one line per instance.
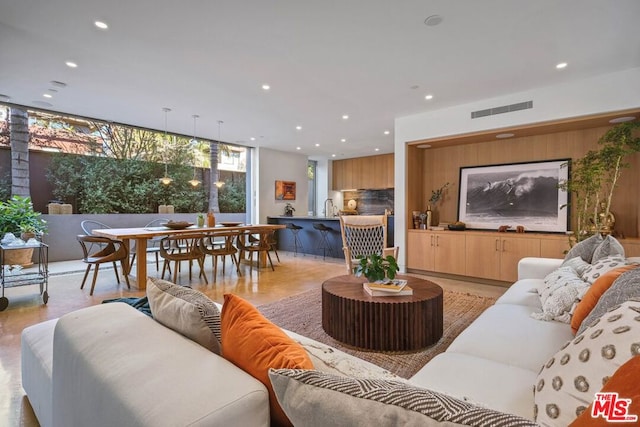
column 295, row 229
column 324, row 241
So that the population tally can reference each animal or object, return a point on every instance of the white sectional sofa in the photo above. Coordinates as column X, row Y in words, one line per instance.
column 112, row 365
column 496, row 360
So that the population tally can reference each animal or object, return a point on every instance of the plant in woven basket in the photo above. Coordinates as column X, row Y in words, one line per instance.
column 375, row 267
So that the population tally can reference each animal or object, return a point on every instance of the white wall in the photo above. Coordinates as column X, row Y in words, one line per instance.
column 273, row 165
column 601, row 94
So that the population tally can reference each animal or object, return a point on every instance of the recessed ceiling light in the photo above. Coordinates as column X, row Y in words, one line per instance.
column 376, row 149
column 317, row 145
column 47, row 95
column 433, row 20
column 333, row 155
column 266, row 87
column 253, row 138
column 561, row 65
column 504, row 135
column 298, row 127
column 622, row 119
column 71, row 64
column 386, row 132
column 343, row 140
column 101, row 25
column 428, row 96
column 423, row 146
column 345, row 117
column 297, row 148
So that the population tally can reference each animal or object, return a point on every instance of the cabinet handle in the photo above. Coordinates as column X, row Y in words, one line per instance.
column 503, row 241
column 497, row 245
column 432, row 240
column 437, row 240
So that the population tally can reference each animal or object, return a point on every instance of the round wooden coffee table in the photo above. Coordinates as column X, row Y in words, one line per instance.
column 396, row 323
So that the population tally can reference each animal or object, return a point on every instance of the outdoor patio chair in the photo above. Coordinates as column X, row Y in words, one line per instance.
column 364, row 235
column 88, row 225
column 110, row 252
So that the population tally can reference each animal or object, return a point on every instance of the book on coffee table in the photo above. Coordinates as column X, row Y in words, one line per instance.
column 396, row 287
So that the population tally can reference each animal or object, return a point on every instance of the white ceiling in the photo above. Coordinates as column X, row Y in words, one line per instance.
column 374, row 60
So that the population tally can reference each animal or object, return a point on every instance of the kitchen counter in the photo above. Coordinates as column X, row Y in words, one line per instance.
column 311, row 238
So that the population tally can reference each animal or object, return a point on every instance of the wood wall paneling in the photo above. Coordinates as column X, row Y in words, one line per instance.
column 442, row 164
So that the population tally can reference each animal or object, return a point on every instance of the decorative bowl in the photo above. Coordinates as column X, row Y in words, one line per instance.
column 177, row 225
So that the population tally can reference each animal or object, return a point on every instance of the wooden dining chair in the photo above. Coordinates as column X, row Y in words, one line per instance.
column 258, row 245
column 184, row 247
column 153, row 244
column 109, row 251
column 221, row 245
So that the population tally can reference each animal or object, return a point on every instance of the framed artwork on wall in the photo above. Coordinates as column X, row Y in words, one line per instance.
column 517, row 194
column 285, row 190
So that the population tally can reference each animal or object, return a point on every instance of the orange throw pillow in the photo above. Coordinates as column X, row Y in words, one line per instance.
column 254, row 344
column 624, row 382
column 594, row 293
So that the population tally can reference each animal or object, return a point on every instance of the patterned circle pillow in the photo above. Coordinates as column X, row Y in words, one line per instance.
column 602, row 266
column 567, row 383
column 623, row 289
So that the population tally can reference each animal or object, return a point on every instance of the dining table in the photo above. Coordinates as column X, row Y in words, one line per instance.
column 142, row 234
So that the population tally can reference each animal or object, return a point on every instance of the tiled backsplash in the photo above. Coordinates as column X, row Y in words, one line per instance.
column 370, row 202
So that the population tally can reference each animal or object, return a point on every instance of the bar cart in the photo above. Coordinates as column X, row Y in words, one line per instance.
column 12, row 276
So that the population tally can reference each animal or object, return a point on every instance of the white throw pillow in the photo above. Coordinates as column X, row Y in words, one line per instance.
column 577, row 263
column 567, row 383
column 186, row 311
column 563, row 290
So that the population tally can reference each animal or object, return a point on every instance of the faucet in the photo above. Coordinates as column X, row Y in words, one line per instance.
column 328, row 212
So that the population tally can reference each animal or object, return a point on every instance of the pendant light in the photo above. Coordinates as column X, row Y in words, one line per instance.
column 218, row 183
column 165, row 180
column 193, row 144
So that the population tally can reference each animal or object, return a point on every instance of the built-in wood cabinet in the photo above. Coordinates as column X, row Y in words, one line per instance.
column 496, row 256
column 439, row 252
column 485, row 254
column 371, row 172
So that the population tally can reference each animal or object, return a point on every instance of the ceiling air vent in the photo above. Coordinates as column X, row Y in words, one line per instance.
column 500, row 110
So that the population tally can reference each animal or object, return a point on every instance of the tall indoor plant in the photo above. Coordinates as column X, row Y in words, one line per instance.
column 594, row 177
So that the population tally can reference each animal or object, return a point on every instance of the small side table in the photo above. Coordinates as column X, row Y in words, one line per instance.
column 34, row 275
column 396, row 323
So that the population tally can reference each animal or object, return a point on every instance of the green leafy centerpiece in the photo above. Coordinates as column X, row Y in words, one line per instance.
column 377, row 268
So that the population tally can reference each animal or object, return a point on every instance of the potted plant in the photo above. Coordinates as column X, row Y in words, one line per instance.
column 436, row 196
column 375, row 267
column 17, row 216
column 289, row 210
column 595, row 176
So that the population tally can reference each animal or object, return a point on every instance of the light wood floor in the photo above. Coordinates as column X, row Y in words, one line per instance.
column 292, row 275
